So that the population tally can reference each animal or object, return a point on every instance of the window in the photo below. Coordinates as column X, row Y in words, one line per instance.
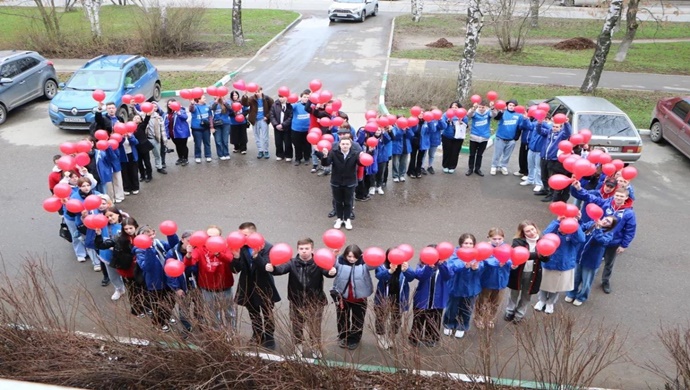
column 10, row 69
column 88, row 80
column 681, row 109
column 27, row 63
column 140, row 69
column 607, row 125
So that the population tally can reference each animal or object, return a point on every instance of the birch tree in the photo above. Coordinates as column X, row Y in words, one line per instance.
column 596, row 65
column 92, row 8
column 475, row 22
column 417, row 6
column 534, row 13
column 237, row 34
column 630, row 30
column 49, row 17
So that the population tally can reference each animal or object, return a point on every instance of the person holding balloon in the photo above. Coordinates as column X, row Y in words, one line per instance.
column 430, row 298
column 155, row 133
column 436, row 127
column 238, row 124
column 598, row 234
column 558, row 275
column 452, row 136
column 259, row 108
column 129, row 157
column 343, row 163
column 81, row 187
column 558, row 132
column 221, row 118
column 402, row 146
column 384, row 149
column 184, row 284
column 494, row 279
column 480, row 133
column 122, row 247
column 299, row 128
column 95, row 207
column 177, row 129
column 201, row 117
column 535, row 145
column 508, row 124
column 104, row 241
column 420, row 144
column 281, row 120
column 392, row 295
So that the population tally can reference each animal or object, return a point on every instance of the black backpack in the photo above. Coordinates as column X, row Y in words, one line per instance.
column 122, row 253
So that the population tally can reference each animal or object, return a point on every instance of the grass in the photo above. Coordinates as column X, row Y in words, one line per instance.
column 119, row 24
column 175, row 80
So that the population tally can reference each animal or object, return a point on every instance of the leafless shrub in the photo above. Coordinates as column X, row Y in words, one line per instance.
column 509, row 24
column 170, row 28
column 676, row 340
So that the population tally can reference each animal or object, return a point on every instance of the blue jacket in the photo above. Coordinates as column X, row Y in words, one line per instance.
column 508, row 123
column 625, row 229
column 201, row 112
column 385, row 147
column 300, row 118
column 481, row 124
column 76, row 195
column 565, row 257
column 592, row 250
column 466, row 282
column 109, row 231
column 449, row 128
column 495, row 276
column 180, row 125
column 436, row 127
column 90, row 236
column 216, row 111
column 536, row 139
column 133, row 142
column 180, row 282
column 525, row 129
column 425, row 275
column 104, row 164
column 384, row 278
column 150, row 262
column 421, row 132
column 402, row 141
column 552, row 140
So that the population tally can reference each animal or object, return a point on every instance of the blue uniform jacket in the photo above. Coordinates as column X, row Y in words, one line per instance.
column 536, row 139
column 425, row 274
column 481, row 124
column 201, row 112
column 384, row 278
column 104, row 164
column 592, row 250
column 109, row 231
column 401, row 141
column 495, row 276
column 552, row 140
column 625, row 229
column 449, row 128
column 436, row 127
column 508, row 123
column 565, row 257
column 180, row 125
column 466, row 282
column 133, row 142
column 152, row 265
column 300, row 118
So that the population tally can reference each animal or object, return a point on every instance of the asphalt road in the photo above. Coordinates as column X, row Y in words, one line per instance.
column 288, row 203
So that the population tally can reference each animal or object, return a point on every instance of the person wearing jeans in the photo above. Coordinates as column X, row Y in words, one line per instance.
column 401, row 152
column 177, row 129
column 509, row 124
column 479, row 136
column 201, row 117
column 535, row 146
column 221, row 117
column 258, row 115
column 155, row 133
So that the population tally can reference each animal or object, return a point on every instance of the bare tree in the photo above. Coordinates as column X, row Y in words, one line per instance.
column 237, row 34
column 49, row 16
column 475, row 22
column 69, row 5
column 510, row 26
column 596, row 66
column 93, row 13
column 631, row 25
column 417, row 6
column 534, row 13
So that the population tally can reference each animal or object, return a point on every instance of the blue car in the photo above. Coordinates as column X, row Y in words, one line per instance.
column 117, row 75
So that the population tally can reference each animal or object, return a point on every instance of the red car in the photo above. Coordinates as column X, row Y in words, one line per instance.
column 671, row 122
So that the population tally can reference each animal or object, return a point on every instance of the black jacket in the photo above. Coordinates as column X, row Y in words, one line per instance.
column 344, row 170
column 255, row 285
column 102, row 123
column 274, row 115
column 305, row 284
column 515, row 279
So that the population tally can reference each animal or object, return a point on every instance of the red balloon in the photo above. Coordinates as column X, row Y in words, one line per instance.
column 239, row 118
column 324, row 258
column 415, row 111
column 565, row 146
column 366, row 159
column 371, row 126
column 576, row 139
column 337, row 104
column 582, row 167
column 323, row 144
column 102, row 145
column 520, row 109
column 280, row 254
column 222, row 91
column 539, row 115
column 546, row 247
column 325, row 96
column 491, row 95
column 408, row 250
column 68, row 148
column 571, row 211
column 175, row 106
column 251, row 87
column 82, row 159
column 594, row 211
column 99, row 221
column 325, row 121
column 98, row 95
column 198, row 238
column 216, row 244
column 127, row 99
column 116, row 137
column 560, row 119
column 569, row 162
column 52, row 204
column 544, row 107
column 609, row 169
column 531, row 110
column 619, row 164
column 374, row 256
column 503, row 253
column 445, row 250
column 66, row 163
column 84, row 146
column 74, row 206
column 239, row 85
column 553, row 237
column 197, row 92
column 562, row 157
column 397, row 256
column 101, row 135
column 146, row 107
column 460, row 113
column 284, row 91
column 519, row 255
column 315, row 85
column 139, row 98
column 382, row 121
column 429, row 255
column 559, row 182
column 236, row 240
column 173, row 268
column 120, row 128
column 629, row 173
column 438, row 114
column 594, row 156
column 212, row 90
column 586, row 135
column 372, row 142
column 314, row 97
column 333, row 238
column 62, row 190
column 500, row 105
column 450, row 113
column 185, row 94
column 255, row 241
column 412, row 121
column 466, row 254
column 369, row 115
column 558, row 208
column 237, row 106
column 337, row 121
column 313, row 138
column 476, row 99
column 428, row 116
column 113, row 143
column 92, row 202
column 605, row 158
column 143, row 241
column 402, row 123
column 168, row 228
column 569, row 225
column 484, row 250
column 316, row 130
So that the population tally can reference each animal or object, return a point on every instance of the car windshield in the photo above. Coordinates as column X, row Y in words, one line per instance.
column 606, row 125
column 349, row 1
column 89, row 80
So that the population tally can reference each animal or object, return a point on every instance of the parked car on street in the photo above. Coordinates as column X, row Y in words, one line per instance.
column 610, row 126
column 671, row 122
column 116, row 75
column 24, row 76
column 352, row 9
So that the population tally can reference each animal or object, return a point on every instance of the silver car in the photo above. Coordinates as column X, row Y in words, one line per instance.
column 24, row 76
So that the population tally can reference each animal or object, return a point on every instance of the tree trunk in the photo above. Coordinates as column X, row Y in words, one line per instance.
column 534, row 13
column 237, row 34
column 475, row 22
column 49, row 17
column 596, row 66
column 417, row 6
column 92, row 8
column 630, row 31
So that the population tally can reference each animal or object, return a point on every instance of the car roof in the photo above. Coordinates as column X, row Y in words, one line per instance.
column 7, row 54
column 114, row 62
column 589, row 104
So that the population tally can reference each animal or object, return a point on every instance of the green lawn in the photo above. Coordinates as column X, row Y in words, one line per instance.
column 175, row 80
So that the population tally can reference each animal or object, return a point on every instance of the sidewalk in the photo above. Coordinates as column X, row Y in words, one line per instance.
column 196, row 64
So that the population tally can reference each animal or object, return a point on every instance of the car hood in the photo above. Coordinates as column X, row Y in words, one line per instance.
column 67, row 99
column 347, row 6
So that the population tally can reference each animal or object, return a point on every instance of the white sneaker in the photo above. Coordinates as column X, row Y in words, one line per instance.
column 517, row 174
column 298, row 350
column 383, row 343
column 568, row 299
column 127, row 193
column 379, row 190
column 209, row 159
column 459, row 334
column 526, row 183
column 165, row 329
column 279, row 159
column 493, row 171
column 81, row 259
column 288, row 159
column 447, row 331
column 97, row 268
column 348, row 224
column 372, row 190
column 338, row 223
column 537, row 188
column 197, row 160
column 504, row 171
column 548, row 309
column 135, row 192
column 525, row 177
column 577, row 302
column 316, row 354
column 539, row 306
column 116, row 295
column 402, row 179
column 396, row 180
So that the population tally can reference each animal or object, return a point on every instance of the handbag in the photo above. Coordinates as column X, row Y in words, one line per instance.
column 64, row 231
column 217, row 123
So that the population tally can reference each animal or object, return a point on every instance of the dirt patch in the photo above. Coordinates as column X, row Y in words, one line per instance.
column 441, row 42
column 578, row 43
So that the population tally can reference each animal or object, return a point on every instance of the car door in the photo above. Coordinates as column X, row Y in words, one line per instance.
column 33, row 77
column 674, row 122
column 12, row 93
column 684, row 143
column 145, row 79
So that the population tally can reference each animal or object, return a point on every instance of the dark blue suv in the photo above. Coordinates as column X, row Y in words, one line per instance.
column 116, row 75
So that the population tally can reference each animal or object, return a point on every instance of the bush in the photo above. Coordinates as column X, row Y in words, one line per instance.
column 169, row 30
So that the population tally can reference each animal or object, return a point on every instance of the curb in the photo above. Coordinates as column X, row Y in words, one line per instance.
column 644, row 131
column 231, row 75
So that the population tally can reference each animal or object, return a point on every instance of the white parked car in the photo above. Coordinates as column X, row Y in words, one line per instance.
column 352, row 9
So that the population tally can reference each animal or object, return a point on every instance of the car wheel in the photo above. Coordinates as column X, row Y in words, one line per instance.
column 656, row 134
column 50, row 89
column 156, row 92
column 363, row 17
column 3, row 114
column 123, row 112
column 331, row 19
column 376, row 10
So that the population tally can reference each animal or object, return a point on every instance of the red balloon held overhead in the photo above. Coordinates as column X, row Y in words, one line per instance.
column 173, row 268
column 560, row 119
column 586, row 135
column 52, row 204
column 476, row 99
column 314, row 97
column 198, row 238
column 168, row 228
column 544, row 107
column 561, row 158
column 146, row 107
column 127, row 99
column 280, row 254
column 619, row 164
column 101, row 135
column 185, row 94
column 62, row 190
column 429, row 255
column 466, row 254
column 325, row 121
column 491, row 96
column 131, row 127
column 569, row 162
column 460, row 113
column 520, row 109
column 402, row 123
column 569, row 225
column 374, row 256
column 329, row 108
column 143, row 241
column 539, row 115
column 315, row 85
column 197, row 93
column 239, row 118
column 450, row 113
column 629, row 173
column 82, row 159
column 139, row 98
column 116, row 137
column 325, row 96
column 212, row 90
column 412, row 121
column 558, row 208
column 372, row 142
column 428, row 116
column 83, row 146
column 113, row 143
column 66, row 163
column 255, row 241
column 222, row 91
column 565, row 146
column 594, row 156
column 88, row 221
column 337, row 104
column 284, row 91
column 333, row 238
column 571, row 211
column 337, row 121
column 415, row 111
column 583, row 167
column 324, row 144
column 382, row 121
column 531, row 110
column 120, row 128
column 438, row 114
column 371, row 126
column 546, row 247
column 216, row 244
column 236, row 240
column 484, row 250
column 445, row 250
column 500, row 105
column 519, row 255
column 553, row 237
column 68, row 148
column 92, row 202
column 408, row 250
column 503, row 253
column 324, row 258
column 98, row 95
column 365, row 159
column 251, row 87
column 102, row 145
column 175, row 106
column 239, row 85
column 594, row 211
column 313, row 138
column 576, row 139
column 370, row 114
column 396, row 256
column 559, row 182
